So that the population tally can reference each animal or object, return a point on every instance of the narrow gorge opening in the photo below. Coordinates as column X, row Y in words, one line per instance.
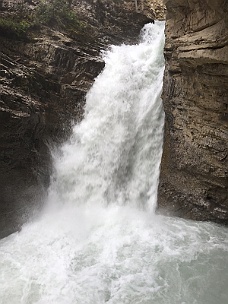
column 99, row 240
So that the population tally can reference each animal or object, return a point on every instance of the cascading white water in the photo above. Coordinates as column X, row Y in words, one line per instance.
column 99, row 241
column 114, row 154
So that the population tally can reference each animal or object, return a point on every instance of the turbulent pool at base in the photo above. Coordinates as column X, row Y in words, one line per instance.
column 98, row 239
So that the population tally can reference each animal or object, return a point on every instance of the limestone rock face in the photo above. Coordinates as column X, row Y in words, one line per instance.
column 194, row 169
column 43, row 82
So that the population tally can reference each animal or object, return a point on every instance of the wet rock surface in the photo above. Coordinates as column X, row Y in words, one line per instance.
column 43, row 82
column 194, row 169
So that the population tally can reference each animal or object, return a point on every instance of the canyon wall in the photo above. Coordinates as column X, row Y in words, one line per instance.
column 44, row 77
column 194, row 169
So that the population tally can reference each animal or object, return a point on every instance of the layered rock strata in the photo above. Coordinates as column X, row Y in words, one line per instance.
column 194, row 169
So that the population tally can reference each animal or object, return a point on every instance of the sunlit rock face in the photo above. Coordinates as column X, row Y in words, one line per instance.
column 194, row 170
column 44, row 79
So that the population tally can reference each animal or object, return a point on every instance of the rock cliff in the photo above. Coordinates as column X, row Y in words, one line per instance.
column 44, row 77
column 194, row 169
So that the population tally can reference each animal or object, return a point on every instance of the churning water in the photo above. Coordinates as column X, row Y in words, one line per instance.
column 99, row 241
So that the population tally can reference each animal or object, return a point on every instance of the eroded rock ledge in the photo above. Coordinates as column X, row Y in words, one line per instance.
column 194, row 170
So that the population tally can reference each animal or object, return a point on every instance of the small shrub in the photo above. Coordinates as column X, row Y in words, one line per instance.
column 14, row 28
column 56, row 12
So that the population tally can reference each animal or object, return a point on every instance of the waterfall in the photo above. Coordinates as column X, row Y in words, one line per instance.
column 113, row 156
column 98, row 239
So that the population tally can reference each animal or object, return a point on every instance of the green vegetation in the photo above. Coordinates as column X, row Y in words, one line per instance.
column 14, row 27
column 56, row 13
